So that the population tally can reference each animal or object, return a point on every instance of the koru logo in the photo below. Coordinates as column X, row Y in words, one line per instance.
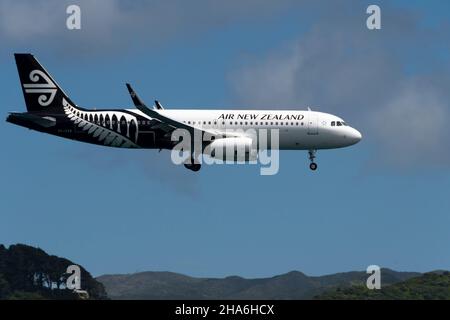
column 48, row 88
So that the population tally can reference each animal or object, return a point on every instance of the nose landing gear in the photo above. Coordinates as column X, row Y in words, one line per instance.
column 312, row 156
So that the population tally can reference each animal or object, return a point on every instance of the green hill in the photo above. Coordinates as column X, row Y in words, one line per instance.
column 429, row 286
column 292, row 285
column 30, row 273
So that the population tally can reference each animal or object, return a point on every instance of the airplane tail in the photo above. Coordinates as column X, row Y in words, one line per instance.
column 41, row 92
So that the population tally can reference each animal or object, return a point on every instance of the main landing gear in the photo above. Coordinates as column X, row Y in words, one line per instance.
column 312, row 156
column 191, row 164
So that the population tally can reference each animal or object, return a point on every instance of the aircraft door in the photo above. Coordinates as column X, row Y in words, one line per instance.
column 313, row 123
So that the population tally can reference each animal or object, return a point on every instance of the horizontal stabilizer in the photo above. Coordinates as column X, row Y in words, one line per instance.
column 23, row 118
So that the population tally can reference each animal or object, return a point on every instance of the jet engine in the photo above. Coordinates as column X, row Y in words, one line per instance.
column 232, row 149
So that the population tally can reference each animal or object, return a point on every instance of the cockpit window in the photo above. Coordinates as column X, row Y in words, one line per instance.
column 332, row 123
column 339, row 123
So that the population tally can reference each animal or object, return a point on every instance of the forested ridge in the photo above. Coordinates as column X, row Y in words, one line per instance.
column 30, row 273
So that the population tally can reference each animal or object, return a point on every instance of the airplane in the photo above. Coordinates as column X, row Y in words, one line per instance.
column 51, row 111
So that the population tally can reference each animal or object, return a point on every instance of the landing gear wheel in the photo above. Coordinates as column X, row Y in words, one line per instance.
column 312, row 156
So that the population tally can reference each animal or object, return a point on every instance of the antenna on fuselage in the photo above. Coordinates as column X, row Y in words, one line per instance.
column 158, row 105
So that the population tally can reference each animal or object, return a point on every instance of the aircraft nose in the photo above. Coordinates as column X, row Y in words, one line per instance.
column 355, row 136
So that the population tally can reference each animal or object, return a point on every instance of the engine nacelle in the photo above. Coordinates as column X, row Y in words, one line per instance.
column 232, row 149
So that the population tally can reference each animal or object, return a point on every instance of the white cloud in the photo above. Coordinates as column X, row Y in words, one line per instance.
column 413, row 127
column 120, row 24
column 337, row 65
column 362, row 75
column 270, row 82
column 24, row 20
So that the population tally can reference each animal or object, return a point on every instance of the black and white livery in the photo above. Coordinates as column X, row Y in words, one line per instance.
column 50, row 110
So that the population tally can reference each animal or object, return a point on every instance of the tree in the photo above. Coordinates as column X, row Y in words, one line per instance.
column 27, row 273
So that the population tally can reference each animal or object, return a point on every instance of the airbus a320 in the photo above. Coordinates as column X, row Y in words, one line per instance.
column 51, row 111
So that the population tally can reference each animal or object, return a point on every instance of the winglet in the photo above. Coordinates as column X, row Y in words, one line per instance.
column 158, row 105
column 136, row 100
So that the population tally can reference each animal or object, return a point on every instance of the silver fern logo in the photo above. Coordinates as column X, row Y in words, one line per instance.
column 111, row 128
column 48, row 89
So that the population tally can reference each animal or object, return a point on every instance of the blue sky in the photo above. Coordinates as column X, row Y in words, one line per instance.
column 384, row 201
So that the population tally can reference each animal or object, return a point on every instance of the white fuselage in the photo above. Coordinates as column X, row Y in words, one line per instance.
column 298, row 130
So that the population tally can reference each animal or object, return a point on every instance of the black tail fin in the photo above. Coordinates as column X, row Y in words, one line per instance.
column 41, row 92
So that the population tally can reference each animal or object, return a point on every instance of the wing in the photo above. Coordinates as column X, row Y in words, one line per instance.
column 166, row 123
